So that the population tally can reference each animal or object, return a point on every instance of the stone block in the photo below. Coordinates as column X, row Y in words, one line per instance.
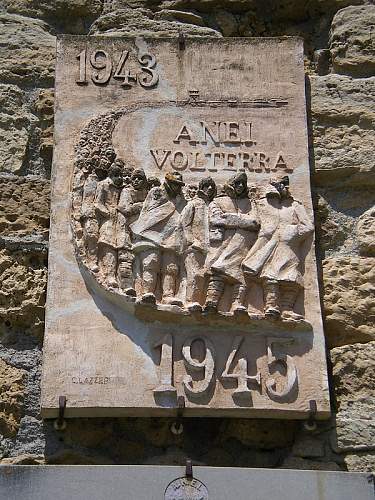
column 308, row 447
column 360, row 462
column 343, row 127
column 352, row 41
column 353, row 376
column 349, row 284
column 15, row 124
column 23, row 277
column 12, row 393
column 28, row 51
column 145, row 22
column 24, row 206
column 365, row 232
column 306, row 464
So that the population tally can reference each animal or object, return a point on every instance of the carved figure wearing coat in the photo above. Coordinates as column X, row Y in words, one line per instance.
column 107, row 195
column 157, row 239
column 276, row 256
column 236, row 220
column 195, row 225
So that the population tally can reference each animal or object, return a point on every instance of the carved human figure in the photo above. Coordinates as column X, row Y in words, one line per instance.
column 276, row 257
column 195, row 224
column 153, row 182
column 106, row 200
column 191, row 191
column 157, row 239
column 130, row 204
column 235, row 219
column 89, row 220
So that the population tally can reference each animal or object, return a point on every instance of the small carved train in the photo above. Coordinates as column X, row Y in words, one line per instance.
column 200, row 248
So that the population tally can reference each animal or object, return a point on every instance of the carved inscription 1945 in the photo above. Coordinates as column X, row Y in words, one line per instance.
column 182, row 245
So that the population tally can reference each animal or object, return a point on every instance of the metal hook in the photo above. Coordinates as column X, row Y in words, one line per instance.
column 189, row 469
column 181, row 41
column 177, row 426
column 310, row 424
column 60, row 423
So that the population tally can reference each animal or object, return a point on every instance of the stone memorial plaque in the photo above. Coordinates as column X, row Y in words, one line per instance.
column 181, row 265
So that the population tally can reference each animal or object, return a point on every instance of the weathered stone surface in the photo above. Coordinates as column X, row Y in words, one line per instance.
column 12, row 387
column 24, row 460
column 24, row 206
column 343, row 121
column 73, row 16
column 305, row 464
column 264, row 434
column 353, row 376
column 23, row 279
column 360, row 462
column 146, row 22
column 365, row 232
column 352, row 41
column 28, row 51
column 349, row 284
column 15, row 123
column 308, row 447
column 45, row 111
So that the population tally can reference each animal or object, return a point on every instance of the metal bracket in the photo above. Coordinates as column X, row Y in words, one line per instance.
column 60, row 423
column 189, row 469
column 310, row 424
column 181, row 41
column 177, row 426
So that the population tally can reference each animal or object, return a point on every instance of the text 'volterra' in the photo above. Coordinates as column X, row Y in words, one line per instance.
column 218, row 134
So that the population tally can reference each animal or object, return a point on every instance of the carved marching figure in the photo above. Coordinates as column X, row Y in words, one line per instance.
column 106, row 199
column 234, row 217
column 276, row 257
column 89, row 220
column 195, row 224
column 157, row 239
column 130, row 205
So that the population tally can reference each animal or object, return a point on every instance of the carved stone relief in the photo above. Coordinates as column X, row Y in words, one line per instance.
column 184, row 247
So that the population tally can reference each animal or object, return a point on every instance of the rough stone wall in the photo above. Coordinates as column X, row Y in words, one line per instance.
column 340, row 64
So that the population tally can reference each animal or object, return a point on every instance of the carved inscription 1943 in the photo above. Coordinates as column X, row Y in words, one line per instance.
column 182, row 240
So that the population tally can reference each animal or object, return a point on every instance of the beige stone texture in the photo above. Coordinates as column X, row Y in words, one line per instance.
column 44, row 108
column 353, row 378
column 360, row 462
column 24, row 206
column 261, row 434
column 15, row 123
column 28, row 53
column 349, row 284
column 12, row 393
column 144, row 22
column 306, row 464
column 352, row 41
column 343, row 123
column 23, row 277
column 365, row 233
column 25, row 459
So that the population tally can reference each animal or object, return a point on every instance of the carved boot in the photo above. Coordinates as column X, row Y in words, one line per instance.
column 170, row 283
column 214, row 292
column 239, row 294
column 289, row 294
column 271, row 299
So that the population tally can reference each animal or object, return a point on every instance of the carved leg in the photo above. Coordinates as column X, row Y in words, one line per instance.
column 271, row 299
column 150, row 260
column 214, row 292
column 108, row 264
column 91, row 235
column 239, row 295
column 170, row 278
column 289, row 292
column 125, row 271
column 194, row 264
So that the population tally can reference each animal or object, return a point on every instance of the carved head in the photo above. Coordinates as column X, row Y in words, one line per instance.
column 127, row 173
column 173, row 182
column 110, row 154
column 236, row 187
column 139, row 179
column 191, row 191
column 282, row 187
column 153, row 182
column 207, row 189
column 115, row 174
